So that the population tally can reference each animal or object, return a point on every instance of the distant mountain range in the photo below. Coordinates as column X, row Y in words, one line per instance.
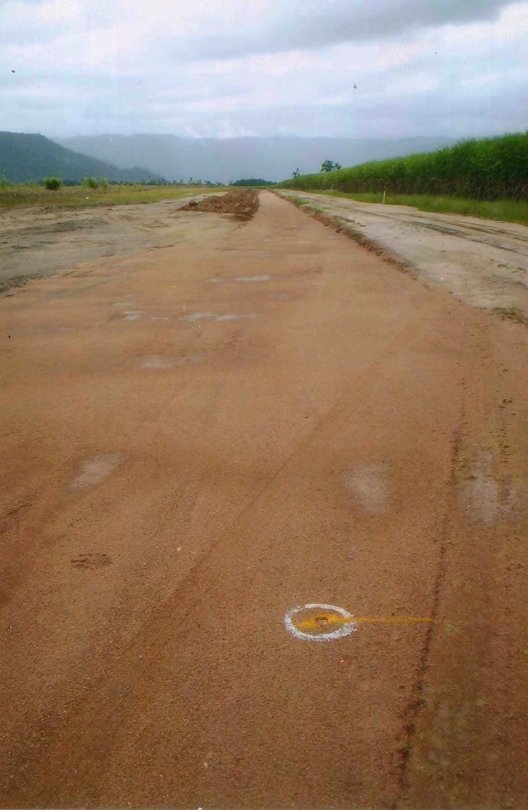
column 26, row 158
column 229, row 159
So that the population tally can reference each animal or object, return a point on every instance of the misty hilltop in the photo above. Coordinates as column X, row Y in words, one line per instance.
column 227, row 159
column 31, row 157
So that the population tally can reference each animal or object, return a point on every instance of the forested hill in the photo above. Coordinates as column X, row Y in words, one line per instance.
column 27, row 158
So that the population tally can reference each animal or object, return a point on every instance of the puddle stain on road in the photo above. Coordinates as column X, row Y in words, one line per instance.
column 486, row 498
column 370, row 486
column 234, row 317
column 240, row 280
column 158, row 361
column 95, row 470
column 214, row 316
column 197, row 316
column 251, row 279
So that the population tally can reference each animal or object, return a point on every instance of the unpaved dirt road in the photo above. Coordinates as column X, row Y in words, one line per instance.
column 482, row 262
column 200, row 439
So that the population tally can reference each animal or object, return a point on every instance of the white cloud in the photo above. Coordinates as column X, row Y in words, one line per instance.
column 265, row 66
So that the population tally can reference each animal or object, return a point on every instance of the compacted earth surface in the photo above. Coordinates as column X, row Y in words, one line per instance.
column 264, row 511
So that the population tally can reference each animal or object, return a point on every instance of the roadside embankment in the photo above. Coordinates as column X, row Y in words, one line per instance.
column 482, row 262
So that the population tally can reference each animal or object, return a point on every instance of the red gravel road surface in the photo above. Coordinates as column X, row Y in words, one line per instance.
column 200, row 439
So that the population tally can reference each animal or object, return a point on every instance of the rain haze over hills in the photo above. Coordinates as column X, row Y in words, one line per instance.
column 226, row 159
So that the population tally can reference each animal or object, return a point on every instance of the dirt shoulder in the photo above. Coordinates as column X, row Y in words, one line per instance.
column 482, row 262
column 37, row 242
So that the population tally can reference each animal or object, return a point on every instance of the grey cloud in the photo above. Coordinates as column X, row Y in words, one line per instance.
column 314, row 24
column 472, row 85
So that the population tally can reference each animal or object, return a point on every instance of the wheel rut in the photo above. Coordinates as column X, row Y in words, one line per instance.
column 412, row 713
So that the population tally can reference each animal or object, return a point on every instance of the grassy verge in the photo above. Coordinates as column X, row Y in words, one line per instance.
column 79, row 196
column 502, row 210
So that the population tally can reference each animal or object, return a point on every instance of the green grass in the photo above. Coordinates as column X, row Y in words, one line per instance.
column 502, row 210
column 81, row 196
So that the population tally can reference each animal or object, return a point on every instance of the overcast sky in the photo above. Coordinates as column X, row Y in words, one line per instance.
column 357, row 68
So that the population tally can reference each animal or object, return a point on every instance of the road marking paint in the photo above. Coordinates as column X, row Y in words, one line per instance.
column 312, row 624
column 346, row 626
column 329, row 622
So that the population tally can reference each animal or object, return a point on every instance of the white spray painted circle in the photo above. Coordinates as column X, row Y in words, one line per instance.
column 344, row 630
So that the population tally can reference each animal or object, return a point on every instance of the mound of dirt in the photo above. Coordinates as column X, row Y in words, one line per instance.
column 241, row 203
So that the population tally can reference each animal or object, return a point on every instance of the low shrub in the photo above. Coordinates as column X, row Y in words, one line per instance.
column 52, row 183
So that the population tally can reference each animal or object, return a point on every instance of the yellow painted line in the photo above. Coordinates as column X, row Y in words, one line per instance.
column 323, row 620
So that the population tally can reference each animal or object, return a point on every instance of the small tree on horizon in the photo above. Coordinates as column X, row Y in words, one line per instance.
column 330, row 166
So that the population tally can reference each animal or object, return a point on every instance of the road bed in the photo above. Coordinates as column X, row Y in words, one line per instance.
column 203, row 442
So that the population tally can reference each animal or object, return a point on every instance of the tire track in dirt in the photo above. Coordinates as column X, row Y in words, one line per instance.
column 473, row 687
column 412, row 714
